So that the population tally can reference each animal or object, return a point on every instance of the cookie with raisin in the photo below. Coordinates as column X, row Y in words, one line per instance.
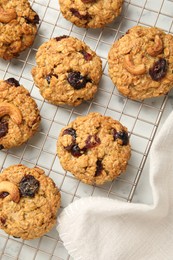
column 141, row 63
column 19, row 114
column 91, row 13
column 29, row 202
column 18, row 27
column 95, row 148
column 67, row 71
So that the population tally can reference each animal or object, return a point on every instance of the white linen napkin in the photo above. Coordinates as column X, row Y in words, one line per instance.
column 97, row 228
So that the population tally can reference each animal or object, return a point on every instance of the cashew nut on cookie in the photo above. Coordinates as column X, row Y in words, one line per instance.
column 12, row 111
column 12, row 189
column 132, row 68
column 157, row 48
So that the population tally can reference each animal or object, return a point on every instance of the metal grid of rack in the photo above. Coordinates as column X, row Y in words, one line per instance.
column 141, row 118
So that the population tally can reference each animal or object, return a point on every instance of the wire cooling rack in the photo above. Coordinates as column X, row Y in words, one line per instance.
column 141, row 118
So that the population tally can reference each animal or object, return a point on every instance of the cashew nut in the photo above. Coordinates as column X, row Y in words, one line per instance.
column 157, row 48
column 132, row 68
column 7, row 16
column 12, row 111
column 12, row 189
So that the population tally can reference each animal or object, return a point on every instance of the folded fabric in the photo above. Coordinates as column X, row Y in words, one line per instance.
column 97, row 228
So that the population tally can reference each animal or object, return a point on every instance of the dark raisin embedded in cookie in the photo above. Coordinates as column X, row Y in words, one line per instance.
column 13, row 82
column 76, row 13
column 29, row 186
column 92, row 141
column 49, row 76
column 70, row 147
column 121, row 135
column 59, row 38
column 159, row 69
column 99, row 168
column 34, row 21
column 1, row 147
column 70, row 131
column 76, row 80
column 3, row 221
column 76, row 151
column 3, row 129
column 87, row 56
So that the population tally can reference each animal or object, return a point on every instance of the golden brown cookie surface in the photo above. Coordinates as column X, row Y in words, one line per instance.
column 141, row 63
column 91, row 13
column 94, row 148
column 29, row 201
column 67, row 71
column 17, row 27
column 19, row 114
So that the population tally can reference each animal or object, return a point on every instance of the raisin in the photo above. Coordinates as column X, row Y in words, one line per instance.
column 76, row 13
column 159, row 69
column 76, row 80
column 28, row 186
column 87, row 56
column 49, row 76
column 121, row 135
column 3, row 194
column 99, row 168
column 76, row 151
column 59, row 38
column 70, row 131
column 73, row 148
column 13, row 82
column 69, row 147
column 3, row 129
column 34, row 21
column 1, row 147
column 3, row 220
column 90, row 144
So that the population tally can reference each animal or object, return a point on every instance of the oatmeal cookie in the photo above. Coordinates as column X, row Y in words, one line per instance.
column 95, row 148
column 19, row 115
column 67, row 71
column 29, row 201
column 91, row 13
column 17, row 27
column 141, row 63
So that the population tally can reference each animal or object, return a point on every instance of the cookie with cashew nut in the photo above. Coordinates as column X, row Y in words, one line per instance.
column 29, row 202
column 18, row 27
column 141, row 63
column 91, row 13
column 19, row 114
